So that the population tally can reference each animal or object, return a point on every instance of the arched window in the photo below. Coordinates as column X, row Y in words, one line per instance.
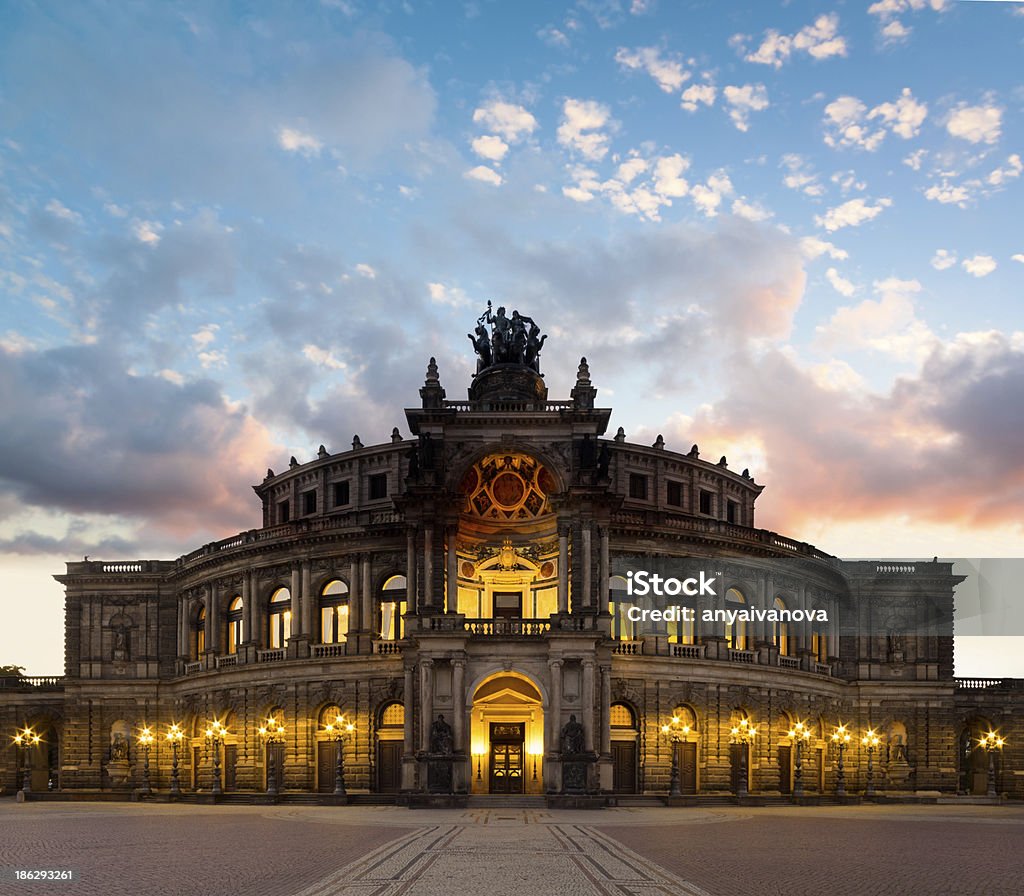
column 736, row 632
column 392, row 608
column 329, row 715
column 199, row 631
column 620, row 715
column 623, row 629
column 392, row 716
column 780, row 630
column 280, row 619
column 234, row 624
column 334, row 613
column 819, row 641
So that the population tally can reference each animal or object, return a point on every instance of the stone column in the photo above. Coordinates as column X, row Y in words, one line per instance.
column 183, row 645
column 605, row 571
column 426, row 702
column 606, row 703
column 428, row 565
column 355, row 617
column 246, row 608
column 408, row 732
column 366, row 581
column 254, row 609
column 588, row 705
column 412, row 595
column 588, row 591
column 210, row 598
column 306, row 600
column 452, row 570
column 563, row 568
column 296, row 603
column 553, row 777
column 459, row 704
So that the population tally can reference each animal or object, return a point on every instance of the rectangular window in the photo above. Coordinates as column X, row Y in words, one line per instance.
column 732, row 512
column 341, row 493
column 675, row 494
column 309, row 502
column 638, row 486
column 378, row 486
column 705, row 502
column 283, row 512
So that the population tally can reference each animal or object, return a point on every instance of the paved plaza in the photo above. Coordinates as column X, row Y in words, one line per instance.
column 384, row 851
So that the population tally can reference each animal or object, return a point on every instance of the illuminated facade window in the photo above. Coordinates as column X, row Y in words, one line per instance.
column 199, row 632
column 392, row 608
column 736, row 632
column 780, row 630
column 618, row 605
column 280, row 619
column 234, row 625
column 334, row 613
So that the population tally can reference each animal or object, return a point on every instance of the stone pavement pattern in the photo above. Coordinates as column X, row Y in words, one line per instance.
column 364, row 851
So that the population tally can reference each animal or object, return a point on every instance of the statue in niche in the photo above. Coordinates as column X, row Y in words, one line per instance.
column 604, row 459
column 572, row 737
column 122, row 635
column 119, row 747
column 441, row 740
column 897, row 648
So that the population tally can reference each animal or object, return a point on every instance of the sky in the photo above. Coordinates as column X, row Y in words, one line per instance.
column 230, row 233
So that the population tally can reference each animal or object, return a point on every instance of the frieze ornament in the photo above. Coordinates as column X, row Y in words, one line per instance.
column 625, row 691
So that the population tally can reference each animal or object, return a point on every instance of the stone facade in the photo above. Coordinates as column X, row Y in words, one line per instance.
column 469, row 576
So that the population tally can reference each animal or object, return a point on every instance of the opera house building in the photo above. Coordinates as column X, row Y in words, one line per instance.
column 455, row 613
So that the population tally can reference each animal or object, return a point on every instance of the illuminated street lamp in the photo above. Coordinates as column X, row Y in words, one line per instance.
column 798, row 735
column 841, row 738
column 174, row 737
column 272, row 733
column 870, row 740
column 743, row 734
column 338, row 731
column 25, row 739
column 990, row 743
column 479, row 751
column 145, row 740
column 675, row 732
column 215, row 735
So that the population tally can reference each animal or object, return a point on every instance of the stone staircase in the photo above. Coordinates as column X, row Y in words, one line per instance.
column 506, row 801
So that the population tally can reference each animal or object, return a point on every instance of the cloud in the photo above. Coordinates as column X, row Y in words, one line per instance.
column 840, row 284
column 668, row 73
column 511, row 121
column 751, row 211
column 1019, row 256
column 490, row 147
column 848, row 121
column 943, row 259
column 945, row 444
column 696, row 94
column 976, row 124
column 948, row 194
column 365, row 270
column 895, row 32
column 147, row 232
column 979, row 265
column 452, row 296
column 800, row 177
column 580, row 130
column 707, row 197
column 485, row 175
column 812, row 247
column 819, row 40
column 852, row 213
column 1012, row 169
column 293, row 140
column 888, row 325
column 744, row 100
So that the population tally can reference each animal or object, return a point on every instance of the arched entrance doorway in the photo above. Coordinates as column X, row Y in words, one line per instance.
column 507, row 726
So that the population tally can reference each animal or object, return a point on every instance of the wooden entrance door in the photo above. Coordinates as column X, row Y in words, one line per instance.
column 624, row 766
column 737, row 752
column 389, row 766
column 230, row 766
column 326, row 766
column 688, row 767
column 785, row 756
column 278, row 750
column 507, row 757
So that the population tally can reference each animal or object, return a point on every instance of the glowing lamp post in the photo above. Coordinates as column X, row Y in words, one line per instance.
column 215, row 735
column 479, row 751
column 798, row 735
column 174, row 736
column 25, row 739
column 841, row 738
column 272, row 733
column 990, row 743
column 870, row 740
column 675, row 732
column 743, row 734
column 145, row 740
column 338, row 731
